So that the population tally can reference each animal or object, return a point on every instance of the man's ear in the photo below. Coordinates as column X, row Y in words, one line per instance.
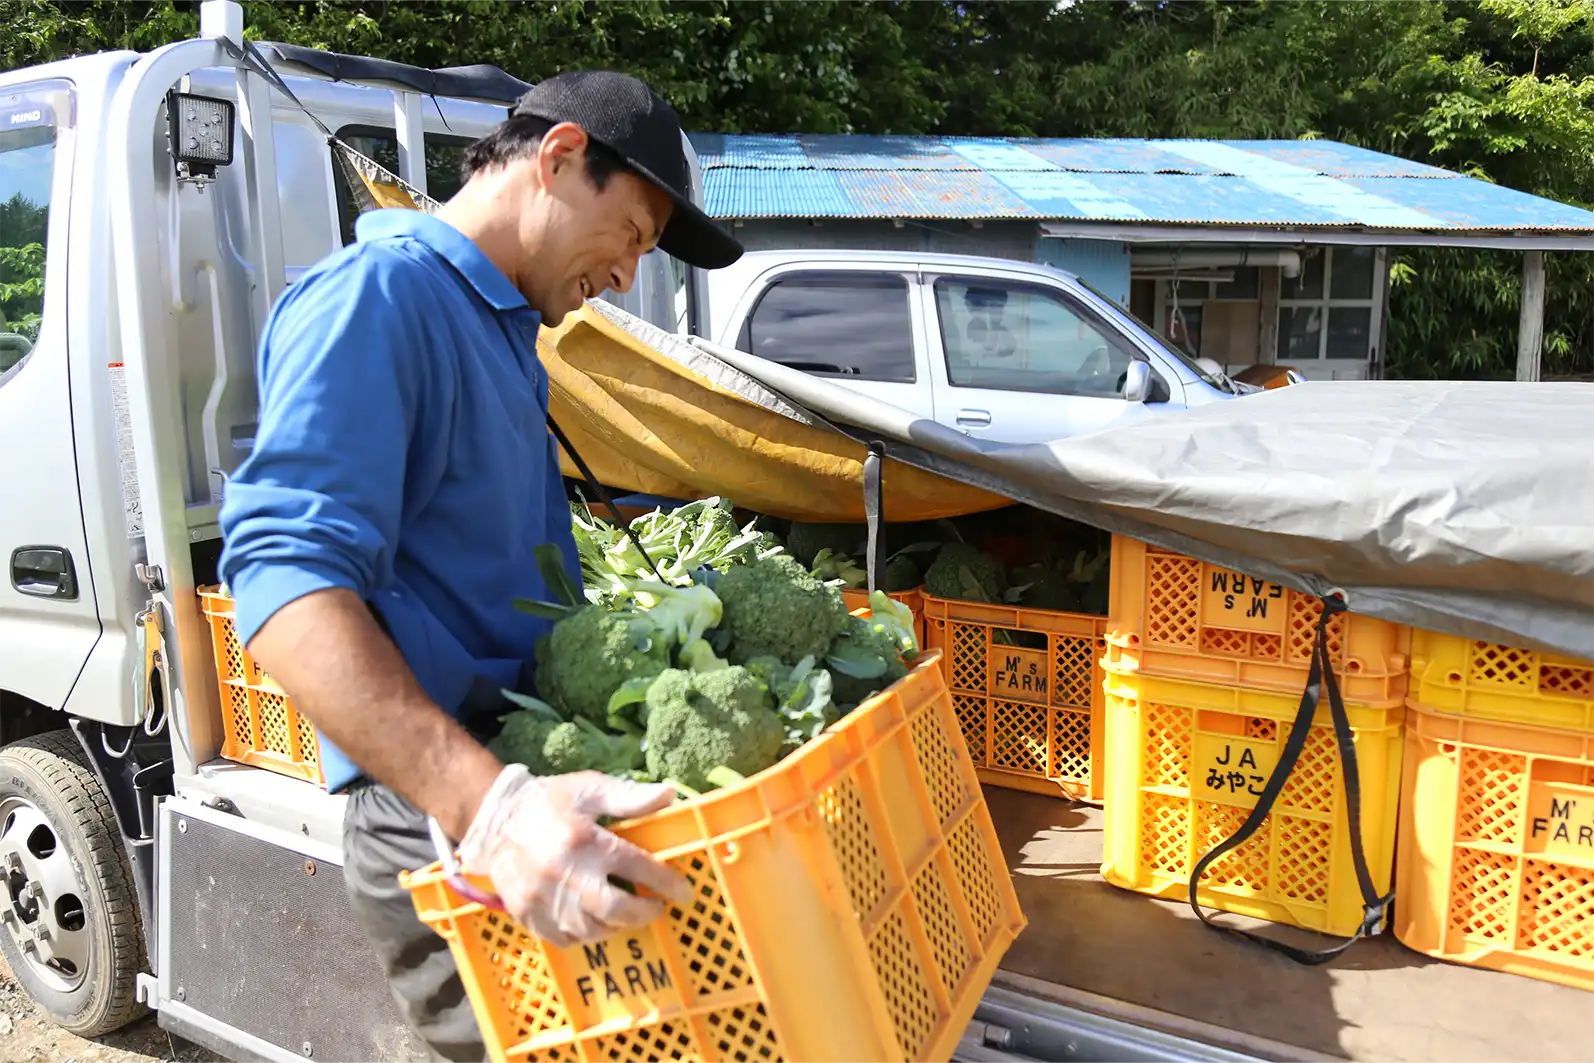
column 563, row 146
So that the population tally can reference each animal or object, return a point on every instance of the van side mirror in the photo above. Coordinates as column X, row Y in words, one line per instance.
column 1137, row 382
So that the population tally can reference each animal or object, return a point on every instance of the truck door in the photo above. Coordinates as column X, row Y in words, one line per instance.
column 48, row 618
column 857, row 327
column 1021, row 362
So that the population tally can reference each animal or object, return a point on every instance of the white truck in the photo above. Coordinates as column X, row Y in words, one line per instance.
column 152, row 208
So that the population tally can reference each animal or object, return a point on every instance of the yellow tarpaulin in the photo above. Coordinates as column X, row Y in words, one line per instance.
column 645, row 423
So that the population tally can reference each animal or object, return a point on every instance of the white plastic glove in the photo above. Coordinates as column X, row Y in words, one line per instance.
column 537, row 839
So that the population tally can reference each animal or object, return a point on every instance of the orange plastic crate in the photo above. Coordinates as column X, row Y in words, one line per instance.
column 1490, row 681
column 1496, row 858
column 260, row 726
column 914, row 600
column 1180, row 618
column 852, row 902
column 1184, row 763
column 1031, row 717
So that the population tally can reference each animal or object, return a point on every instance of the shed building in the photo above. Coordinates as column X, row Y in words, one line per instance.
column 1244, row 252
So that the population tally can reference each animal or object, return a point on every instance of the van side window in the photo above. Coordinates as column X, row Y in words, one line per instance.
column 856, row 325
column 1019, row 337
column 442, row 166
column 27, row 166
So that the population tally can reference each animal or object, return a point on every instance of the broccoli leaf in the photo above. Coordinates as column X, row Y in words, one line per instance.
column 536, row 706
column 857, row 662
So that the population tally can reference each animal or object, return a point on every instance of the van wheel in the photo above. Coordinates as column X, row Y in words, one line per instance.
column 69, row 920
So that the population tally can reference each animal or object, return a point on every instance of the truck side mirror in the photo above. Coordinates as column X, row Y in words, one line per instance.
column 1137, row 382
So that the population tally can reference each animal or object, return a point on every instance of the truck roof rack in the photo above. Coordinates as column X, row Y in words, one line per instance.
column 479, row 82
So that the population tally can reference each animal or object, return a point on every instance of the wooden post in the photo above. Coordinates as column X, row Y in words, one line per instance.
column 1530, row 332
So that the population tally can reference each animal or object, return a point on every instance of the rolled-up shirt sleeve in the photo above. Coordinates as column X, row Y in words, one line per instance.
column 318, row 503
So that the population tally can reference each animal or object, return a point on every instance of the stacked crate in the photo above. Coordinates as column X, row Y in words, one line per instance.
column 1204, row 671
column 1496, row 861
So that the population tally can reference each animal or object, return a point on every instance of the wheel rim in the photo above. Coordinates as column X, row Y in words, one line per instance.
column 41, row 906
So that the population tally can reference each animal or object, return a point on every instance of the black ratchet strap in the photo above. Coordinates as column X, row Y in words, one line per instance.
column 873, row 506
column 1319, row 679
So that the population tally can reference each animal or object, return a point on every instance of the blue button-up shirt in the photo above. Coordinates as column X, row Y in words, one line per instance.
column 403, row 453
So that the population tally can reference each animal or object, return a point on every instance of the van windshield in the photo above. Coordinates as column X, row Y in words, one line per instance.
column 1188, row 362
column 27, row 167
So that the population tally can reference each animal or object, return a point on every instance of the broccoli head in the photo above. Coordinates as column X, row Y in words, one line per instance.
column 964, row 572
column 579, row 746
column 521, row 741
column 863, row 660
column 591, row 653
column 775, row 608
column 1044, row 587
column 555, row 747
column 903, row 573
column 699, row 721
column 805, row 540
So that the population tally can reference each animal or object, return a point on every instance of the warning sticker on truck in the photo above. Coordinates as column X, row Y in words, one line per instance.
column 132, row 503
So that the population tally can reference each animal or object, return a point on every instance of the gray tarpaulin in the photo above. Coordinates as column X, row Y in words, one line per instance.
column 1467, row 508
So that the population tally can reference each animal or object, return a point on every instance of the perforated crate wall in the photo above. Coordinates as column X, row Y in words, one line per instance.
column 1030, row 715
column 1496, row 861
column 1179, row 618
column 1183, row 777
column 852, row 902
column 260, row 726
column 1490, row 681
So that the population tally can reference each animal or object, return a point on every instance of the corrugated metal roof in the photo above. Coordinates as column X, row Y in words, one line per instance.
column 1260, row 183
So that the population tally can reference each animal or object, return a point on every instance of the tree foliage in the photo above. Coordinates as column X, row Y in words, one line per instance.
column 1498, row 89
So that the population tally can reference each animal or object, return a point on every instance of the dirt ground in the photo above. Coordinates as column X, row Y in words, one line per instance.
column 28, row 1036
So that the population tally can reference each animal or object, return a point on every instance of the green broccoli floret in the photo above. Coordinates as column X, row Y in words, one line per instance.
column 1044, row 587
column 964, row 572
column 579, row 746
column 863, row 660
column 903, row 573
column 591, row 653
column 699, row 721
column 521, row 741
column 775, row 608
column 805, row 541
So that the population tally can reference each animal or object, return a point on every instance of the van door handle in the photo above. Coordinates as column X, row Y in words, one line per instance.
column 44, row 572
column 976, row 418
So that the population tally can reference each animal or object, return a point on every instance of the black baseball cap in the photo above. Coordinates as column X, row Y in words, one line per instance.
column 631, row 120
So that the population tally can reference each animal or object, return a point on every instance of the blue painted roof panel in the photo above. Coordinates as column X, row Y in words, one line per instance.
column 1277, row 184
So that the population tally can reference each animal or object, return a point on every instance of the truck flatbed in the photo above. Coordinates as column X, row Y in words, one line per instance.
column 1378, row 1001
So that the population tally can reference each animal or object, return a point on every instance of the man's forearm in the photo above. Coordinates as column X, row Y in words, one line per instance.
column 350, row 680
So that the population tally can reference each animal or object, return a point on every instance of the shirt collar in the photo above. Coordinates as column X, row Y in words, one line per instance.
column 453, row 245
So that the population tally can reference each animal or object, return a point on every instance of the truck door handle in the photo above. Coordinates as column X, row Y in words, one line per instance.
column 977, row 418
column 44, row 572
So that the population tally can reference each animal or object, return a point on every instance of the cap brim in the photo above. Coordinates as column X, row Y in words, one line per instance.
column 690, row 235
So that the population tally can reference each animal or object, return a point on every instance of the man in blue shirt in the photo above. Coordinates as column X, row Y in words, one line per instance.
column 403, row 474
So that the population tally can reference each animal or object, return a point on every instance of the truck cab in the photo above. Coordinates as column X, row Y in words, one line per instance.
column 1004, row 350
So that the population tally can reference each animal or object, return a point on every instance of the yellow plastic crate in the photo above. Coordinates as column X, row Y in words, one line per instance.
column 1031, row 716
column 1184, row 765
column 1496, row 861
column 1490, row 681
column 852, row 903
column 1179, row 618
column 260, row 726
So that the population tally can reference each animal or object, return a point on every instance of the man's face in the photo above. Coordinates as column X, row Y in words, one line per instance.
column 586, row 241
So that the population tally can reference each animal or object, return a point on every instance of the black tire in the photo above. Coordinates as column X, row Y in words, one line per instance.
column 51, row 772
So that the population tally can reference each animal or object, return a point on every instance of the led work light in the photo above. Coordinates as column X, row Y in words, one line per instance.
column 200, row 131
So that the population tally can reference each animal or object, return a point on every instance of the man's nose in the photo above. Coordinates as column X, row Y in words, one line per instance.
column 622, row 274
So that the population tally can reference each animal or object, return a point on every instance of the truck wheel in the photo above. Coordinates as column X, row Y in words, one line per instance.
column 69, row 920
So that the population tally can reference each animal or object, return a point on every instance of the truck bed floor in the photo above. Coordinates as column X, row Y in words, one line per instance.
column 1378, row 1001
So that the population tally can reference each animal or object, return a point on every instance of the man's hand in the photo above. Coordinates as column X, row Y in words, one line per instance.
column 538, row 840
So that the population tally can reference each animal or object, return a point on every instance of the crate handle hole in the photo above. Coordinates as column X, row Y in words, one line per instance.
column 1449, row 749
column 1455, row 677
column 729, row 852
column 1353, row 666
column 1013, row 638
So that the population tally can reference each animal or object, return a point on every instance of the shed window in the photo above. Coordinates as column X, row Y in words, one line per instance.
column 855, row 325
column 1328, row 311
